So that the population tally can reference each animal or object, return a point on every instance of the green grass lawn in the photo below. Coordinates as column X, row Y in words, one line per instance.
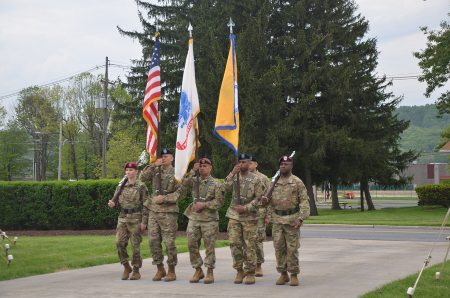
column 40, row 255
column 428, row 286
column 404, row 216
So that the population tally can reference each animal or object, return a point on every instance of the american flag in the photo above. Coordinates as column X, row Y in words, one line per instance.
column 152, row 95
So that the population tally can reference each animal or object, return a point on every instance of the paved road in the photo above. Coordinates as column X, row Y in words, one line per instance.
column 379, row 204
column 375, row 233
column 338, row 268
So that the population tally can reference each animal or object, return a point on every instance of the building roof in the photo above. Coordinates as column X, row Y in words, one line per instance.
column 445, row 148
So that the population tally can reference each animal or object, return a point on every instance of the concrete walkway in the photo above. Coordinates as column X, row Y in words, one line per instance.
column 329, row 268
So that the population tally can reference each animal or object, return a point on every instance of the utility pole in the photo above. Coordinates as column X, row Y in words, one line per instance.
column 60, row 145
column 105, row 116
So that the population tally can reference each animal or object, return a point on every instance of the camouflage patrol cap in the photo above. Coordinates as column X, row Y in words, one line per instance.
column 166, row 151
column 131, row 165
column 285, row 159
column 205, row 161
column 243, row 156
column 253, row 158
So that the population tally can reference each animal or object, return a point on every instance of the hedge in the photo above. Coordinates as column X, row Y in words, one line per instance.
column 64, row 205
column 434, row 194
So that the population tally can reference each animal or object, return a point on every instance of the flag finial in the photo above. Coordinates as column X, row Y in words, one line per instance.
column 190, row 30
column 231, row 24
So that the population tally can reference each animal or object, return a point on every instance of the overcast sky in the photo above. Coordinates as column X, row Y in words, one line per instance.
column 41, row 41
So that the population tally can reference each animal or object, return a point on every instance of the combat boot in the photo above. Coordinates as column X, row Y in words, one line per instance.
column 258, row 271
column 209, row 279
column 284, row 278
column 160, row 273
column 126, row 271
column 171, row 276
column 250, row 279
column 136, row 275
column 294, row 280
column 197, row 275
column 239, row 276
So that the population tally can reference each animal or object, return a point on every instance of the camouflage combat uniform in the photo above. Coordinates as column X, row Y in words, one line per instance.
column 289, row 203
column 242, row 227
column 203, row 224
column 162, row 219
column 261, row 230
column 129, row 223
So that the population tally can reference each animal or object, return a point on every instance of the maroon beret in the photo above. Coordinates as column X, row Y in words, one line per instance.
column 205, row 160
column 131, row 165
column 285, row 158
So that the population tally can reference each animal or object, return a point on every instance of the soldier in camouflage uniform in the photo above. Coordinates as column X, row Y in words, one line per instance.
column 286, row 210
column 129, row 223
column 203, row 218
column 261, row 230
column 161, row 213
column 243, row 218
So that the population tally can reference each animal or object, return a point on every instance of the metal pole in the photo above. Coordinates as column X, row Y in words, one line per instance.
column 105, row 116
column 60, row 145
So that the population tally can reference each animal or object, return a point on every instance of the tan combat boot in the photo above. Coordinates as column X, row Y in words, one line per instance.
column 239, row 276
column 160, row 273
column 197, row 275
column 171, row 276
column 136, row 275
column 250, row 279
column 284, row 278
column 294, row 280
column 258, row 271
column 209, row 279
column 126, row 271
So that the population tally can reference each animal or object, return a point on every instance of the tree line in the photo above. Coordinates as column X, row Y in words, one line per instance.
column 307, row 83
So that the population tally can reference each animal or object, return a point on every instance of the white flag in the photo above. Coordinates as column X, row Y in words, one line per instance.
column 187, row 118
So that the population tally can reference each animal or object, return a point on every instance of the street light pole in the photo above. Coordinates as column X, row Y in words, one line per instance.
column 60, row 146
column 105, row 116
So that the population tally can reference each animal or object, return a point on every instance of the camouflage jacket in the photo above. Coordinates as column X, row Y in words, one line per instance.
column 288, row 195
column 132, row 197
column 171, row 195
column 213, row 200
column 255, row 191
column 261, row 208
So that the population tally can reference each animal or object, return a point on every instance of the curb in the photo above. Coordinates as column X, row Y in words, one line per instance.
column 372, row 226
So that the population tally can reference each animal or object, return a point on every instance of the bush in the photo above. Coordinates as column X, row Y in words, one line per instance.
column 64, row 205
column 434, row 194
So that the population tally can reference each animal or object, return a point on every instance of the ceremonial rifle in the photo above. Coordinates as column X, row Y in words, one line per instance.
column 275, row 180
column 122, row 182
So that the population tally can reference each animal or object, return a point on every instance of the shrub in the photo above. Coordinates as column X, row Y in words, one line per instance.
column 434, row 194
column 64, row 205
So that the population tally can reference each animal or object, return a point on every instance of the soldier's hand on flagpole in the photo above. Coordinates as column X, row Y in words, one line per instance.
column 236, row 169
column 158, row 162
column 199, row 206
column 240, row 209
column 264, row 200
column 111, row 204
column 196, row 167
column 160, row 199
column 143, row 226
column 266, row 221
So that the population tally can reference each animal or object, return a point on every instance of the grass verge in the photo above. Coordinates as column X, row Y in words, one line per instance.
column 41, row 255
column 428, row 286
column 403, row 216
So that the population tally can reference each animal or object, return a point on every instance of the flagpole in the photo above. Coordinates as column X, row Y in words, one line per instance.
column 158, row 150
column 196, row 137
column 238, row 186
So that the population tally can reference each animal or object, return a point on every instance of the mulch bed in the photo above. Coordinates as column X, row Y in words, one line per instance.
column 222, row 235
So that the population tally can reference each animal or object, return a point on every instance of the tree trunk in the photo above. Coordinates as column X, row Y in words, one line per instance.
column 370, row 205
column 334, row 198
column 73, row 158
column 361, row 192
column 309, row 189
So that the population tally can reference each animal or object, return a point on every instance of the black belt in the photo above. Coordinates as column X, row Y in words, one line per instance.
column 287, row 212
column 129, row 211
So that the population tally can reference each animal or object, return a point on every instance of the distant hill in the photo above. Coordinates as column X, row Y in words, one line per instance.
column 424, row 131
